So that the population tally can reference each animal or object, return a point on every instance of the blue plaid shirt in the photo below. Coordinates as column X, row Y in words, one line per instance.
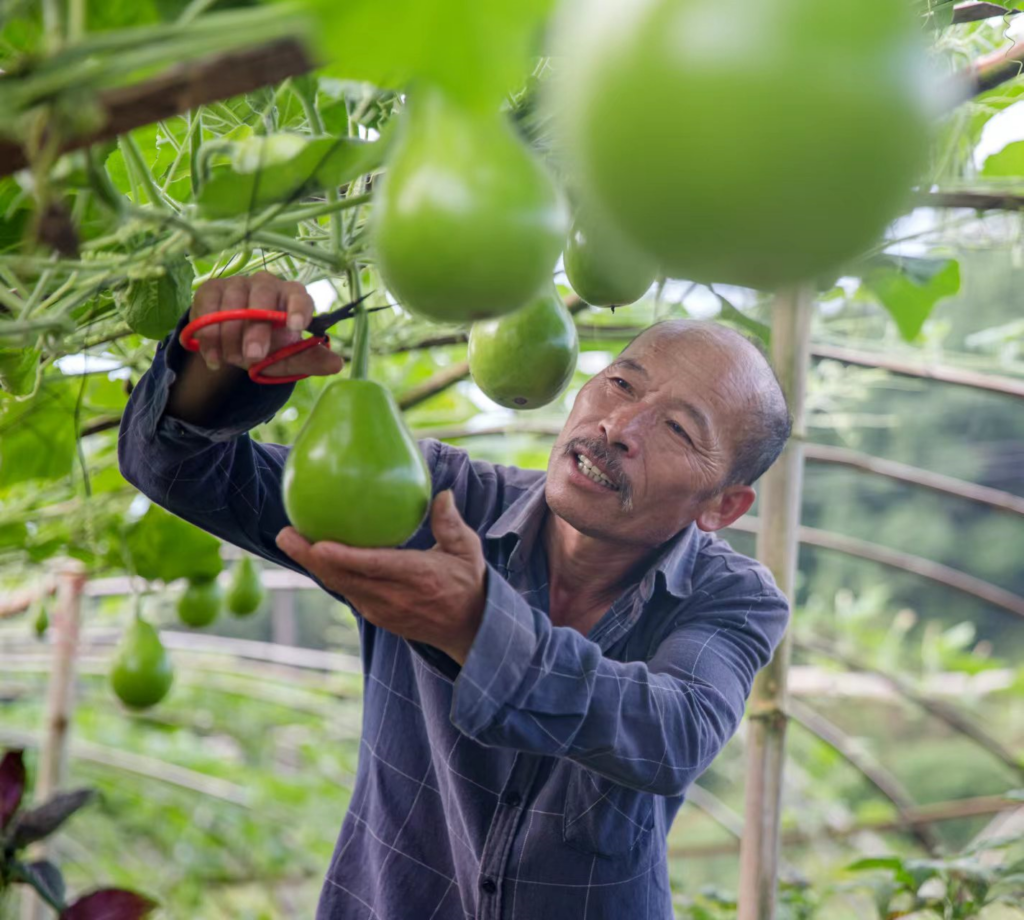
column 540, row 779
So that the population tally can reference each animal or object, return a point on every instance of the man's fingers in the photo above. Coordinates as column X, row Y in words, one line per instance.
column 293, row 544
column 319, row 361
column 298, row 305
column 263, row 295
column 381, row 564
column 235, row 297
column 452, row 533
column 207, row 300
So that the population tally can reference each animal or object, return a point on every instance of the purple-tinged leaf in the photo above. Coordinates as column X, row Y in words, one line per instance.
column 40, row 822
column 45, row 877
column 12, row 785
column 109, row 904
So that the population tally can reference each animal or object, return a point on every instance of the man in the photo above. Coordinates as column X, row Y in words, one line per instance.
column 551, row 660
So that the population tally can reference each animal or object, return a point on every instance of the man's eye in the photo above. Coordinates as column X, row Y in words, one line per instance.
column 620, row 383
column 679, row 430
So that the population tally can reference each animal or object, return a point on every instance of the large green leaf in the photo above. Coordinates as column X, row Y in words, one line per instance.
column 283, row 167
column 909, row 288
column 163, row 547
column 37, row 437
column 1007, row 164
column 476, row 50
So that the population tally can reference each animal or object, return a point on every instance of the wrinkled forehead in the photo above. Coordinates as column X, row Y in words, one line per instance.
column 683, row 349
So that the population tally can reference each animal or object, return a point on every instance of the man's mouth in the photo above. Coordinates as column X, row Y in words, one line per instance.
column 589, row 469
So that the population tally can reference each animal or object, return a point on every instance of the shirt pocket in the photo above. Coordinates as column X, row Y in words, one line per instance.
column 603, row 817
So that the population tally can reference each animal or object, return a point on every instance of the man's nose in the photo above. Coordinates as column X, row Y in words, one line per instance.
column 622, row 429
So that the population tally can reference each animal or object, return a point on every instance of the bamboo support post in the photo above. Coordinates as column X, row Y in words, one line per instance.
column 777, row 548
column 59, row 702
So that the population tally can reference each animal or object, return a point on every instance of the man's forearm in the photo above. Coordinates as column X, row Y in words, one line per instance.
column 198, row 392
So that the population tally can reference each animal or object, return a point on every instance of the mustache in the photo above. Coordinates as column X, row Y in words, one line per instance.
column 609, row 461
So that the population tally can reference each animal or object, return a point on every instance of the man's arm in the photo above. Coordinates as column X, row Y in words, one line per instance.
column 651, row 726
column 184, row 435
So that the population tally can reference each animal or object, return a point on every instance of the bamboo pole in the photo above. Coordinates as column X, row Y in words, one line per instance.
column 777, row 548
column 59, row 703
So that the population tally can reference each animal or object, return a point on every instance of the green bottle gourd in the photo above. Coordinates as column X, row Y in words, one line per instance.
column 769, row 141
column 525, row 360
column 467, row 223
column 245, row 593
column 200, row 603
column 142, row 673
column 355, row 474
column 604, row 269
column 41, row 620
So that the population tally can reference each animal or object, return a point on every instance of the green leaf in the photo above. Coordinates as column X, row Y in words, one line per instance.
column 284, row 167
column 476, row 51
column 37, row 437
column 1008, row 163
column 14, row 213
column 164, row 547
column 159, row 152
column 19, row 368
column 152, row 306
column 910, row 288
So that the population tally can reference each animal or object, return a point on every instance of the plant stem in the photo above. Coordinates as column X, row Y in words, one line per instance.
column 76, row 20
column 11, row 301
column 311, row 212
column 361, row 330
column 285, row 244
column 194, row 9
column 130, row 151
column 195, row 141
column 52, row 25
column 316, row 125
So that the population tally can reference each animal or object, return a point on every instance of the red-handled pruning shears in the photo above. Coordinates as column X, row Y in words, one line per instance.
column 318, row 327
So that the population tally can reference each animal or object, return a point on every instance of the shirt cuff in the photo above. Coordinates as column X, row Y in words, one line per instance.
column 498, row 658
column 246, row 406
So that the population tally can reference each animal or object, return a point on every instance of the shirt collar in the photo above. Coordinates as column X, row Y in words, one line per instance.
column 675, row 564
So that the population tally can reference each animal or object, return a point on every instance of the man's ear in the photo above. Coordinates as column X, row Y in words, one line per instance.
column 725, row 508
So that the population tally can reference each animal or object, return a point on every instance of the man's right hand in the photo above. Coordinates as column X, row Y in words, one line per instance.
column 244, row 343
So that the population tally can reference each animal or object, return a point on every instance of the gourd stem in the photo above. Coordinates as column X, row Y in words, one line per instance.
column 361, row 335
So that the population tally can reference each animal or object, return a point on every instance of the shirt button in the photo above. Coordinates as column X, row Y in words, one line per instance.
column 488, row 885
column 513, row 799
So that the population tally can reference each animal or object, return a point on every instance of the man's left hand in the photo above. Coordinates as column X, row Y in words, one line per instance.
column 435, row 597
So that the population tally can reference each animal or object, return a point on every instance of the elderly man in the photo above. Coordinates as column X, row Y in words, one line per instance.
column 552, row 659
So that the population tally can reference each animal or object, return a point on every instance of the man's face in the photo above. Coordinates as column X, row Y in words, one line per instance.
column 655, row 429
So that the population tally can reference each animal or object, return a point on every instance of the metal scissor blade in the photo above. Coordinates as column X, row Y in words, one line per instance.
column 319, row 325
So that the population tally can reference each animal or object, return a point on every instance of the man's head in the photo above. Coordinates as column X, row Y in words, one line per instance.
column 676, row 430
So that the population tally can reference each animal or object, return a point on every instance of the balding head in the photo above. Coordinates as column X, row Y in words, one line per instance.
column 766, row 425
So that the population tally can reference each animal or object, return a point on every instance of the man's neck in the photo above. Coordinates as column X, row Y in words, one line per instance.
column 585, row 574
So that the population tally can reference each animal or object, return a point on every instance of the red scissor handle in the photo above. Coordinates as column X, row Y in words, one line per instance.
column 276, row 318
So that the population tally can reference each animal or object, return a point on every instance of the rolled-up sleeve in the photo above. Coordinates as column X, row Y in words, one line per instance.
column 649, row 725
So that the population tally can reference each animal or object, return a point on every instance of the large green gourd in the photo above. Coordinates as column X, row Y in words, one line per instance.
column 355, row 474
column 467, row 223
column 757, row 142
column 142, row 672
column 525, row 360
column 245, row 594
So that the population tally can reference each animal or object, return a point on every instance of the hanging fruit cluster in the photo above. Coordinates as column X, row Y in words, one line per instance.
column 758, row 143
